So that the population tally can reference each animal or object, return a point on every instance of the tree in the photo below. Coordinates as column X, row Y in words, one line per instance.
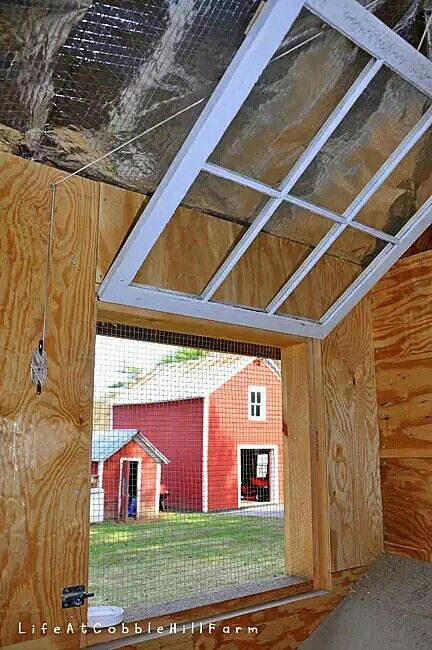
column 131, row 374
column 184, row 354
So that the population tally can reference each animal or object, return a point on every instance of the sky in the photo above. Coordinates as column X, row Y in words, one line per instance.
column 114, row 354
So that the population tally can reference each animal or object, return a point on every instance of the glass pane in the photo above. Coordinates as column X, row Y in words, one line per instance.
column 330, row 277
column 193, row 245
column 403, row 193
column 297, row 224
column 356, row 246
column 375, row 126
column 292, row 99
column 271, row 260
column 224, row 198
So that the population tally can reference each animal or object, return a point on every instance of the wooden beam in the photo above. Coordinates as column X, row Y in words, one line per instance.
column 307, row 521
column 286, row 626
column 187, row 325
column 296, row 409
column 319, row 474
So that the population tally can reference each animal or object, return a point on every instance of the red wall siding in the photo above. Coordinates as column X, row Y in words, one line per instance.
column 176, row 430
column 229, row 427
column 111, row 479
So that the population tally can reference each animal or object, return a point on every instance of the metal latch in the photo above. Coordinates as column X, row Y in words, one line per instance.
column 74, row 596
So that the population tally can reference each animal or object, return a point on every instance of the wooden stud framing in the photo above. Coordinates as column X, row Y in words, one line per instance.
column 307, row 525
column 299, row 560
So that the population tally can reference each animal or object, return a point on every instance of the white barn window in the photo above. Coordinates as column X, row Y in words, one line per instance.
column 257, row 403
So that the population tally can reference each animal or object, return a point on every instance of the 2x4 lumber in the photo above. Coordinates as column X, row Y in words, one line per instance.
column 299, row 553
column 307, row 517
column 187, row 325
column 319, row 473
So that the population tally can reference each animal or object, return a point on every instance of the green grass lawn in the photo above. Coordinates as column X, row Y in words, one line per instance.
column 180, row 555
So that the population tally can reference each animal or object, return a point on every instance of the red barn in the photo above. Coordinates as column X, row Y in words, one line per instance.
column 218, row 418
column 127, row 466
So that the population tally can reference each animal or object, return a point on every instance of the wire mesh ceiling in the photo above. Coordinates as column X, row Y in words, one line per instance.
column 80, row 77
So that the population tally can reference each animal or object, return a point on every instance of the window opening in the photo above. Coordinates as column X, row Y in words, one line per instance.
column 187, row 490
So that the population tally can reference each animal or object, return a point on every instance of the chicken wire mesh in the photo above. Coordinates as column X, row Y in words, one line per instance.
column 79, row 78
column 186, row 468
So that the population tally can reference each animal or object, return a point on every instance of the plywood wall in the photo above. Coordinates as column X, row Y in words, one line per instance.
column 44, row 441
column 402, row 320
column 353, row 452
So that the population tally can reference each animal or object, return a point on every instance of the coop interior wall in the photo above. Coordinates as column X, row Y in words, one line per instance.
column 40, row 529
column 402, row 317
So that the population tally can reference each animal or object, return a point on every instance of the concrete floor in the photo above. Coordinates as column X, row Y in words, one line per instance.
column 389, row 609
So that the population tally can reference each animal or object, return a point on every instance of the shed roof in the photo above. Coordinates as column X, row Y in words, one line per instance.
column 108, row 442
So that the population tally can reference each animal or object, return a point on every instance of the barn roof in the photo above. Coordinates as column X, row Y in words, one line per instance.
column 108, row 442
column 196, row 378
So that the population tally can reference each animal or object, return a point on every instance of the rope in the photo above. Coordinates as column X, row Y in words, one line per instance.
column 136, row 137
column 425, row 32
column 39, row 361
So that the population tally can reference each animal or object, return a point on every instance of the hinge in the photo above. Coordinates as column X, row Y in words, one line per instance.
column 74, row 596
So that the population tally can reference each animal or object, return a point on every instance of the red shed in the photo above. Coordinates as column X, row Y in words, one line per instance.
column 218, row 419
column 127, row 466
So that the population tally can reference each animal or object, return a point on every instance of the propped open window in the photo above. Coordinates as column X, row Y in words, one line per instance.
column 304, row 149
